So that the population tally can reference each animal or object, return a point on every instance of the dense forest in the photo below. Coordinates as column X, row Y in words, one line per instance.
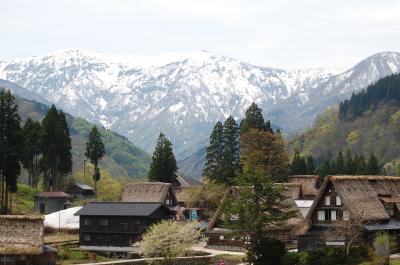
column 367, row 123
column 385, row 90
column 123, row 159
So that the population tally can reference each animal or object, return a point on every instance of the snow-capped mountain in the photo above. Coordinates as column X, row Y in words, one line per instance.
column 183, row 95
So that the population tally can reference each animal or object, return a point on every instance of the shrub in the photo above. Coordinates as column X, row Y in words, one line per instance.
column 290, row 258
column 265, row 251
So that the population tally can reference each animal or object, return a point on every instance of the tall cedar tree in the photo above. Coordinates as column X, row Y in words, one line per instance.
column 253, row 119
column 298, row 166
column 349, row 164
column 31, row 151
column 163, row 165
column 340, row 166
column 64, row 148
column 10, row 148
column 373, row 165
column 231, row 151
column 214, row 153
column 56, row 145
column 94, row 152
column 310, row 165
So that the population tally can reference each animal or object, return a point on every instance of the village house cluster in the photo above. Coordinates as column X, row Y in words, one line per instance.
column 116, row 227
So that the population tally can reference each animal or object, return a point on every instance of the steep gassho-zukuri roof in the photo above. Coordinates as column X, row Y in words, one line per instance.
column 362, row 195
column 21, row 235
column 146, row 192
column 309, row 183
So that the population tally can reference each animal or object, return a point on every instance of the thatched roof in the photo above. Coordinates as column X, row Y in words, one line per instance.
column 188, row 182
column 147, row 192
column 361, row 195
column 21, row 234
column 183, row 194
column 309, row 183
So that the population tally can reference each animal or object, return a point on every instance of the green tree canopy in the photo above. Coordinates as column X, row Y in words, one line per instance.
column 253, row 119
column 163, row 165
column 31, row 150
column 214, row 153
column 10, row 148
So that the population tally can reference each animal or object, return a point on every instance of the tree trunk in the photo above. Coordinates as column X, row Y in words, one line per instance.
column 6, row 198
column 95, row 188
column 11, row 202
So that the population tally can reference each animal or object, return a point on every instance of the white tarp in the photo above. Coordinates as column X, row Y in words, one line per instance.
column 64, row 219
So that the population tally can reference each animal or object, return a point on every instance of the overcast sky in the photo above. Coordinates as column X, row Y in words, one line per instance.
column 277, row 33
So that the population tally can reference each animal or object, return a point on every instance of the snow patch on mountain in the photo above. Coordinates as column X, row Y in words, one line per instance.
column 184, row 94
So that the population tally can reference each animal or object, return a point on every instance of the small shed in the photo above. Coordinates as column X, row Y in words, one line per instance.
column 52, row 201
column 80, row 191
column 22, row 241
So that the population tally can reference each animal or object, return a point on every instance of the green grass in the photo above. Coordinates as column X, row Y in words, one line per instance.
column 67, row 256
column 23, row 200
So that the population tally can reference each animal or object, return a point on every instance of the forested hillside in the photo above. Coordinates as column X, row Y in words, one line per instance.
column 123, row 159
column 368, row 122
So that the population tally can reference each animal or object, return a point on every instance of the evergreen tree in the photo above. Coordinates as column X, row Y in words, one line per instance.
column 94, row 152
column 231, row 151
column 253, row 119
column 361, row 168
column 349, row 164
column 31, row 151
column 64, row 149
column 56, row 146
column 325, row 169
column 10, row 148
column 214, row 153
column 373, row 165
column 298, row 166
column 340, row 166
column 163, row 166
column 310, row 165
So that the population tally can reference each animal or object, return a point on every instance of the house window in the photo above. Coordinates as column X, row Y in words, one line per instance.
column 321, row 215
column 338, row 200
column 221, row 237
column 389, row 208
column 124, row 226
column 88, row 221
column 86, row 238
column 346, row 215
column 103, row 222
column 328, row 200
column 327, row 215
column 333, row 215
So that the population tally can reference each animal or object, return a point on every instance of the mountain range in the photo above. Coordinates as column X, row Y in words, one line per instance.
column 123, row 159
column 185, row 94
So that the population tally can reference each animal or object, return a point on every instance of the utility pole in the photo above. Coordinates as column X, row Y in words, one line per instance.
column 84, row 171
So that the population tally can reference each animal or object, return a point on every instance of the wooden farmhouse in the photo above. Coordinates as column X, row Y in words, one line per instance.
column 343, row 201
column 51, row 201
column 21, row 241
column 116, row 226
